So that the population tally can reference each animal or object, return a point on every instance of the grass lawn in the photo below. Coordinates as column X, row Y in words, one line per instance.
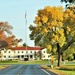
column 25, row 62
column 59, row 72
column 67, row 72
column 62, row 72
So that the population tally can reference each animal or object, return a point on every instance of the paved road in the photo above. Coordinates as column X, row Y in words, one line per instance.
column 25, row 70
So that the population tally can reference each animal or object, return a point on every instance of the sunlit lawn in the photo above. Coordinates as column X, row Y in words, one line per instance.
column 43, row 62
column 68, row 72
column 62, row 72
column 25, row 62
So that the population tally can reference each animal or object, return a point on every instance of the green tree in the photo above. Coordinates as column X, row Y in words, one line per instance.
column 24, row 44
column 54, row 29
column 70, row 1
column 69, row 53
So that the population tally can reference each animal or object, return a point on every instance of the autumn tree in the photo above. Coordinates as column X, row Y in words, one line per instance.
column 54, row 29
column 5, row 29
column 12, row 41
column 6, row 35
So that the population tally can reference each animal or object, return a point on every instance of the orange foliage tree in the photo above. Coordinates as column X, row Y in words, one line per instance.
column 5, row 31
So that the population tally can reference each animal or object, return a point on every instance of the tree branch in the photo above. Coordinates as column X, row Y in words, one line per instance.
column 67, row 44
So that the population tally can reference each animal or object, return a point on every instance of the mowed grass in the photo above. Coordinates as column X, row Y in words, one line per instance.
column 25, row 62
column 68, row 69
column 70, row 64
column 67, row 72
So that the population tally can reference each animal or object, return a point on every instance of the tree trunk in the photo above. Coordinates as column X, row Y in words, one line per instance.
column 60, row 50
column 59, row 55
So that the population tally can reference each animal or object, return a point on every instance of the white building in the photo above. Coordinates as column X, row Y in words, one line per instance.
column 25, row 53
column 45, row 55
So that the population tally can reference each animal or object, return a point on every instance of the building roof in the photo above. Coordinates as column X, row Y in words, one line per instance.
column 27, row 48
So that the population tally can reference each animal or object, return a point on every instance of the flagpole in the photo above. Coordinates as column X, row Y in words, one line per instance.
column 26, row 30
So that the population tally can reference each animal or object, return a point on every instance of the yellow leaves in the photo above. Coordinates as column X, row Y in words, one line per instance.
column 60, row 8
column 48, row 8
column 44, row 19
column 37, row 19
column 60, row 24
column 69, row 16
column 65, row 15
column 55, row 38
column 45, row 30
column 51, row 16
column 73, row 33
column 62, row 40
column 61, row 32
column 67, row 11
column 59, row 37
column 71, row 13
column 68, row 28
column 57, row 14
column 39, row 24
column 54, row 20
column 49, row 47
column 53, row 23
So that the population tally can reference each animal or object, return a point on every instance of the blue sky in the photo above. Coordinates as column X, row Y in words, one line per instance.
column 13, row 11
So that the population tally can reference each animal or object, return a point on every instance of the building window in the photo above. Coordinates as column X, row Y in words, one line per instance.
column 22, row 56
column 18, row 56
column 48, row 56
column 34, row 51
column 43, row 51
column 14, row 51
column 30, row 51
column 9, row 51
column 31, row 56
column 22, row 51
column 4, row 56
column 4, row 51
column 44, row 56
column 18, row 52
column 8, row 56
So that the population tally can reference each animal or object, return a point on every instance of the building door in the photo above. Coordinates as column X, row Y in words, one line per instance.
column 26, row 58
